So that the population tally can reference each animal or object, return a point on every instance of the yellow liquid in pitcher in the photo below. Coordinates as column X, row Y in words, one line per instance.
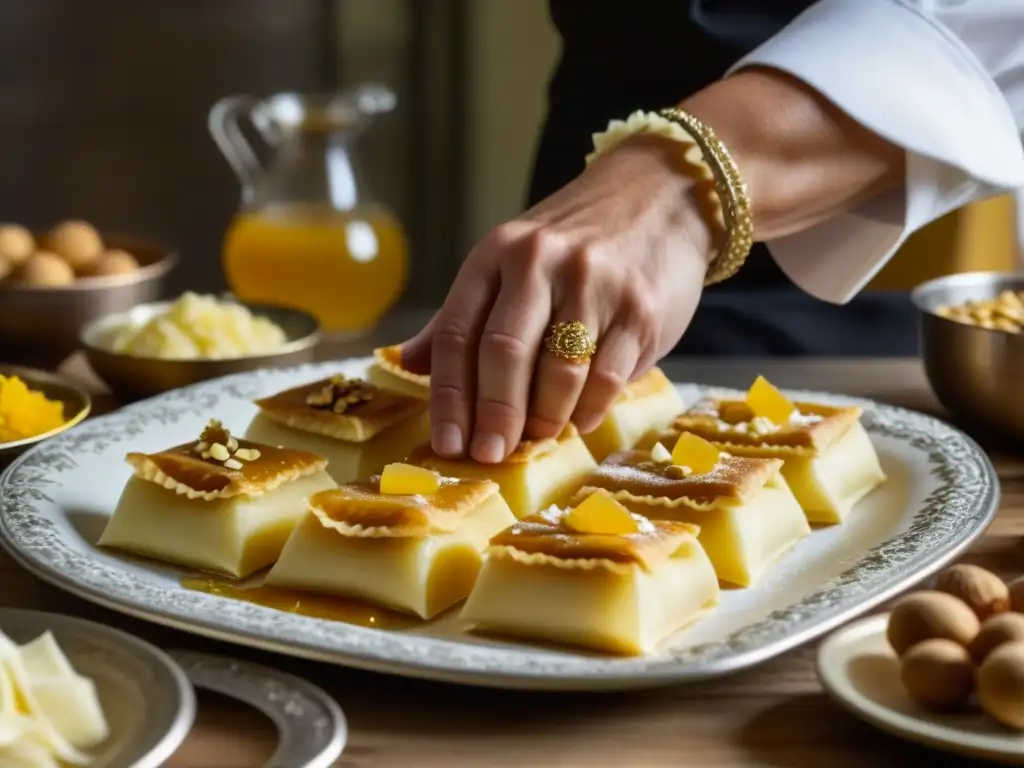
column 347, row 268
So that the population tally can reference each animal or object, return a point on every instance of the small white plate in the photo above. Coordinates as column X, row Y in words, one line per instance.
column 860, row 671
column 146, row 698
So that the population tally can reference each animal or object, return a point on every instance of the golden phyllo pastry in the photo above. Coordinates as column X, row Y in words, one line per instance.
column 537, row 474
column 649, row 403
column 830, row 462
column 746, row 513
column 357, row 426
column 593, row 576
column 387, row 371
column 408, row 539
column 217, row 503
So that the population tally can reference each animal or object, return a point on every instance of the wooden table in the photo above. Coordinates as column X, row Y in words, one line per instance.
column 774, row 715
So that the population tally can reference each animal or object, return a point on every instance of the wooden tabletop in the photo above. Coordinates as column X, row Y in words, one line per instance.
column 773, row 715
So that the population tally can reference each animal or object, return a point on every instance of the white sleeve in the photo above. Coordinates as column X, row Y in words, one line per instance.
column 942, row 78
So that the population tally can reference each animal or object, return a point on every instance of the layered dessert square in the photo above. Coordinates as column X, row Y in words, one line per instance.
column 387, row 371
column 408, row 539
column 594, row 576
column 830, row 462
column 746, row 513
column 218, row 504
column 649, row 403
column 537, row 474
column 357, row 426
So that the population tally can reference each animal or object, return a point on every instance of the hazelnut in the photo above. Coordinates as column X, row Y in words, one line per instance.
column 1001, row 684
column 982, row 590
column 938, row 674
column 16, row 244
column 1016, row 590
column 996, row 630
column 77, row 242
column 928, row 615
column 115, row 262
column 45, row 269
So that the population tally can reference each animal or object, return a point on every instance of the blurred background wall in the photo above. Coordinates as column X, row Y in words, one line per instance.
column 103, row 110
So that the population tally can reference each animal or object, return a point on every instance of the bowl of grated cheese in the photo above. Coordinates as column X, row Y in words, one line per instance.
column 153, row 348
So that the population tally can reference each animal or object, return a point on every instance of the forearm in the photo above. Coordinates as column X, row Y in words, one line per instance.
column 802, row 158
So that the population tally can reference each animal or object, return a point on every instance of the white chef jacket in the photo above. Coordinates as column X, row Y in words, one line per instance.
column 943, row 79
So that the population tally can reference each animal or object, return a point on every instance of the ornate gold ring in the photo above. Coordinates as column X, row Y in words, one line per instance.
column 571, row 341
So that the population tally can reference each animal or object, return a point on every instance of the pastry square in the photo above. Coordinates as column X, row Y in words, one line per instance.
column 418, row 553
column 830, row 462
column 747, row 515
column 218, row 504
column 649, row 403
column 387, row 371
column 357, row 426
column 616, row 589
column 537, row 474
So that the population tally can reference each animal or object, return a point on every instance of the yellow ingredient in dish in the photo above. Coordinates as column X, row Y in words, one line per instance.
column 1003, row 313
column 24, row 412
column 199, row 328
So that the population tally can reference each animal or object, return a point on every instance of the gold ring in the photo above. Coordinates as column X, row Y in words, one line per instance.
column 571, row 341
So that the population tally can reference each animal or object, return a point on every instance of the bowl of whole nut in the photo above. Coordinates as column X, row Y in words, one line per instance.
column 52, row 283
column 972, row 344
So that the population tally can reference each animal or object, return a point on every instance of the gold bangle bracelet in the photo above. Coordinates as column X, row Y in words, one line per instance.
column 732, row 195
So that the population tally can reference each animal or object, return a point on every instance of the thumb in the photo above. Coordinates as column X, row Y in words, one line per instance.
column 416, row 351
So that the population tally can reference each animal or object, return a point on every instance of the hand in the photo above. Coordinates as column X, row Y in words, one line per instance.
column 623, row 249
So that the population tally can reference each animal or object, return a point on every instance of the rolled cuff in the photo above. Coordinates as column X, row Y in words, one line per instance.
column 909, row 79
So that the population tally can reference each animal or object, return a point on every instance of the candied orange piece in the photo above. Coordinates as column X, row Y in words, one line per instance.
column 767, row 402
column 406, row 480
column 696, row 453
column 601, row 514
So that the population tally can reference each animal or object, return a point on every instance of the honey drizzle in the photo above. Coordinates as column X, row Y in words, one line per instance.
column 304, row 604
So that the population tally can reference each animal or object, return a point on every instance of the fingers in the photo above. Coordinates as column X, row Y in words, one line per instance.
column 558, row 382
column 508, row 352
column 453, row 359
column 416, row 351
column 610, row 370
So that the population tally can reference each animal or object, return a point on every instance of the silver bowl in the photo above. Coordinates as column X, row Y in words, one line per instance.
column 976, row 373
column 76, row 401
column 131, row 377
column 40, row 325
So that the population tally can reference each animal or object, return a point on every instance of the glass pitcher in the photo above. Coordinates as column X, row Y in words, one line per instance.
column 307, row 234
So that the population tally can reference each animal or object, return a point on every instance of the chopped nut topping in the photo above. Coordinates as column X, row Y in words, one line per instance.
column 339, row 394
column 233, row 464
column 220, row 452
column 1003, row 313
column 215, row 432
column 247, row 454
column 678, row 472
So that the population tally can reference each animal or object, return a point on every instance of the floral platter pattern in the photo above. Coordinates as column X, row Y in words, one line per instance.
column 958, row 501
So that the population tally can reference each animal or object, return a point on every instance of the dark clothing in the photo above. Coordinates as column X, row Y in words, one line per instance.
column 648, row 54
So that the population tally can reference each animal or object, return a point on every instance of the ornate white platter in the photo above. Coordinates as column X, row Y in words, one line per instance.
column 942, row 493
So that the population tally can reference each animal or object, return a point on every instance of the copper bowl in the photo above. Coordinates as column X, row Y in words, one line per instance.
column 131, row 377
column 976, row 373
column 76, row 401
column 40, row 325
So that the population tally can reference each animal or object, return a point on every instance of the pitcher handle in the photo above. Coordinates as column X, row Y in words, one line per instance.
column 223, row 123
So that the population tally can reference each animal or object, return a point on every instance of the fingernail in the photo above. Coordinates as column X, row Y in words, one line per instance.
column 446, row 439
column 489, row 448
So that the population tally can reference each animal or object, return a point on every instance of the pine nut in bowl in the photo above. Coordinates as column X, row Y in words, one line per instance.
column 972, row 345
column 157, row 347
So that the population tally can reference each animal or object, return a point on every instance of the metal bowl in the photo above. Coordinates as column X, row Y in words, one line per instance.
column 976, row 373
column 77, row 405
column 131, row 377
column 40, row 325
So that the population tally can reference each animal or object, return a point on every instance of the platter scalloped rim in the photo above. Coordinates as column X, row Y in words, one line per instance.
column 961, row 502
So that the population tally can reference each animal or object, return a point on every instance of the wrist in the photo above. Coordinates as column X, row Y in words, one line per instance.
column 690, row 203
